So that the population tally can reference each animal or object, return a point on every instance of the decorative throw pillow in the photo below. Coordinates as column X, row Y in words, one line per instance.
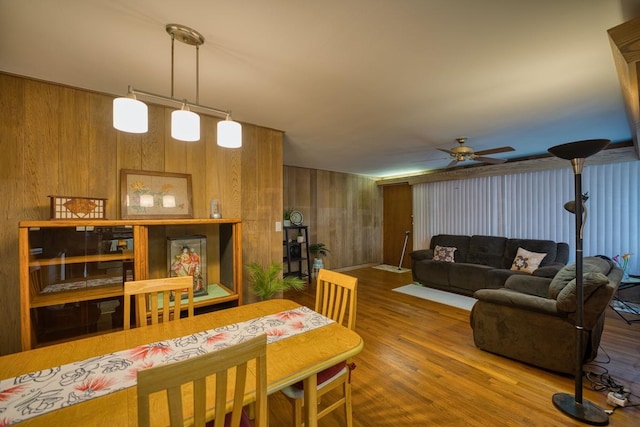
column 443, row 253
column 526, row 261
column 566, row 300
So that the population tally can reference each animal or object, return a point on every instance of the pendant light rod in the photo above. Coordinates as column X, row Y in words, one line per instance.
column 217, row 111
column 172, row 62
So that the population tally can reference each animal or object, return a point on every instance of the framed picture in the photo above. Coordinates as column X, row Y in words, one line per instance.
column 187, row 256
column 149, row 195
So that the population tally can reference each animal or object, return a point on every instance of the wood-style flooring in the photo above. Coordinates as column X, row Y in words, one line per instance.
column 419, row 367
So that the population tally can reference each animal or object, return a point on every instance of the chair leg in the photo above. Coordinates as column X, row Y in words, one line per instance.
column 297, row 412
column 347, row 404
column 251, row 410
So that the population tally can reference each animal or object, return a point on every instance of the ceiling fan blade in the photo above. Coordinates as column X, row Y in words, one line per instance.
column 453, row 163
column 494, row 151
column 490, row 160
column 443, row 150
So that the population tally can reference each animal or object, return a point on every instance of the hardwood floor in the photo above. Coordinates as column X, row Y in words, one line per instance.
column 419, row 367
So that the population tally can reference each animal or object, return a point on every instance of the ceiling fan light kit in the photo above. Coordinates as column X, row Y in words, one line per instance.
column 464, row 152
column 131, row 115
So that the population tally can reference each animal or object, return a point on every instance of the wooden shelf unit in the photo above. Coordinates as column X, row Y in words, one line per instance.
column 43, row 246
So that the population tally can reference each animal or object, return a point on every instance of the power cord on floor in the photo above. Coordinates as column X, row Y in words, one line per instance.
column 599, row 379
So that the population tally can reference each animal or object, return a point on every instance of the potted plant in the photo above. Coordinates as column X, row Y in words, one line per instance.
column 266, row 282
column 318, row 250
column 287, row 217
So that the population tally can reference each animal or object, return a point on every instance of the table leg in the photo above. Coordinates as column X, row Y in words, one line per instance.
column 311, row 400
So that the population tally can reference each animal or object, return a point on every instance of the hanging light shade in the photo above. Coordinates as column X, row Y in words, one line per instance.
column 130, row 115
column 229, row 133
column 185, row 125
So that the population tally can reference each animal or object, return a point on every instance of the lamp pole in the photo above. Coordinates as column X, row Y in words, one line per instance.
column 574, row 406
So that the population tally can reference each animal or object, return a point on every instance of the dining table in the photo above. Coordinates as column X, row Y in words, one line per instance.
column 295, row 358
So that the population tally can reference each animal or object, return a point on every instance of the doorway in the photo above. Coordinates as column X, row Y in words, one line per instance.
column 397, row 220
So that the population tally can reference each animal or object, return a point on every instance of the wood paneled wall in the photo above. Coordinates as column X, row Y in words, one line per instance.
column 343, row 211
column 60, row 140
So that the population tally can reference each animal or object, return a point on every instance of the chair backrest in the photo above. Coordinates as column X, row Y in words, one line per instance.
column 195, row 370
column 157, row 299
column 35, row 282
column 336, row 297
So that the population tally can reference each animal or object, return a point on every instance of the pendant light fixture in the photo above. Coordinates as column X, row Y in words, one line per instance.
column 131, row 115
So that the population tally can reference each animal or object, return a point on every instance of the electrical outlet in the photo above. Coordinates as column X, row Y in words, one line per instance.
column 278, row 226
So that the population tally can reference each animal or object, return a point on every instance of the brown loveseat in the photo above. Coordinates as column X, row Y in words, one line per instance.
column 482, row 262
column 532, row 319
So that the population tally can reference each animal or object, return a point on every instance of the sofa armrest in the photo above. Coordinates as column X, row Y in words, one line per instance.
column 422, row 254
column 549, row 270
column 517, row 299
column 527, row 284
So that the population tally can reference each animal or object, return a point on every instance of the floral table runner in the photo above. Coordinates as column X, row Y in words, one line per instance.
column 43, row 391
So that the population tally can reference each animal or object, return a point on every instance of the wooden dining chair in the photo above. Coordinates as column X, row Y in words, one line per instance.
column 225, row 364
column 336, row 298
column 157, row 300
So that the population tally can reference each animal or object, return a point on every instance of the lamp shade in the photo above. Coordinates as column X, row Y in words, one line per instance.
column 229, row 134
column 130, row 115
column 185, row 125
column 579, row 149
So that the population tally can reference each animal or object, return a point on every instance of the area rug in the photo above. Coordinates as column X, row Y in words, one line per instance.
column 391, row 268
column 442, row 297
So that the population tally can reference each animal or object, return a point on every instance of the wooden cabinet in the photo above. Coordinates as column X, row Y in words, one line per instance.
column 70, row 269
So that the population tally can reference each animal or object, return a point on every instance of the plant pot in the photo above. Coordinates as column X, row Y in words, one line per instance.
column 317, row 264
column 287, row 223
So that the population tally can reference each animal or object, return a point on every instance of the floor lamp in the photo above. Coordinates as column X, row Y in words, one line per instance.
column 574, row 406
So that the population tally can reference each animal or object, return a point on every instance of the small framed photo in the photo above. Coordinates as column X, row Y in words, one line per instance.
column 187, row 256
column 155, row 195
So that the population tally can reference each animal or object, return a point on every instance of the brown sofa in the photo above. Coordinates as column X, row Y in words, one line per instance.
column 482, row 262
column 532, row 319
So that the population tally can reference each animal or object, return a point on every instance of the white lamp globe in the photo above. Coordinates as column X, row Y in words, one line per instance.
column 185, row 125
column 229, row 134
column 130, row 115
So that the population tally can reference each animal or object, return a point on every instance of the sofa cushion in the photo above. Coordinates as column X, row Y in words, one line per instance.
column 548, row 247
column 527, row 261
column 444, row 253
column 468, row 276
column 593, row 264
column 548, row 271
column 486, row 250
column 461, row 243
column 421, row 254
column 527, row 284
column 497, row 277
column 566, row 300
column 432, row 272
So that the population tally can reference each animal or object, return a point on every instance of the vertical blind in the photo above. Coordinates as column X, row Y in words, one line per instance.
column 531, row 205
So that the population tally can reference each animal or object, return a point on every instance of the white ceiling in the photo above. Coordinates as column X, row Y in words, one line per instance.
column 368, row 87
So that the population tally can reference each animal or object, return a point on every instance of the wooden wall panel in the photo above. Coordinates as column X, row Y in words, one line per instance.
column 102, row 154
column 342, row 211
column 12, row 145
column 41, row 161
column 60, row 140
column 73, row 148
column 261, row 198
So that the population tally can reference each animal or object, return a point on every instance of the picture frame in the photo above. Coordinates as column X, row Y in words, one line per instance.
column 187, row 256
column 155, row 195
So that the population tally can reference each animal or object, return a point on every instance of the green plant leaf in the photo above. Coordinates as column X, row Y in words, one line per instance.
column 265, row 282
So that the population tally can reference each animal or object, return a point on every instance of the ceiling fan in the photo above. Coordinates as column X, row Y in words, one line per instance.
column 464, row 152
